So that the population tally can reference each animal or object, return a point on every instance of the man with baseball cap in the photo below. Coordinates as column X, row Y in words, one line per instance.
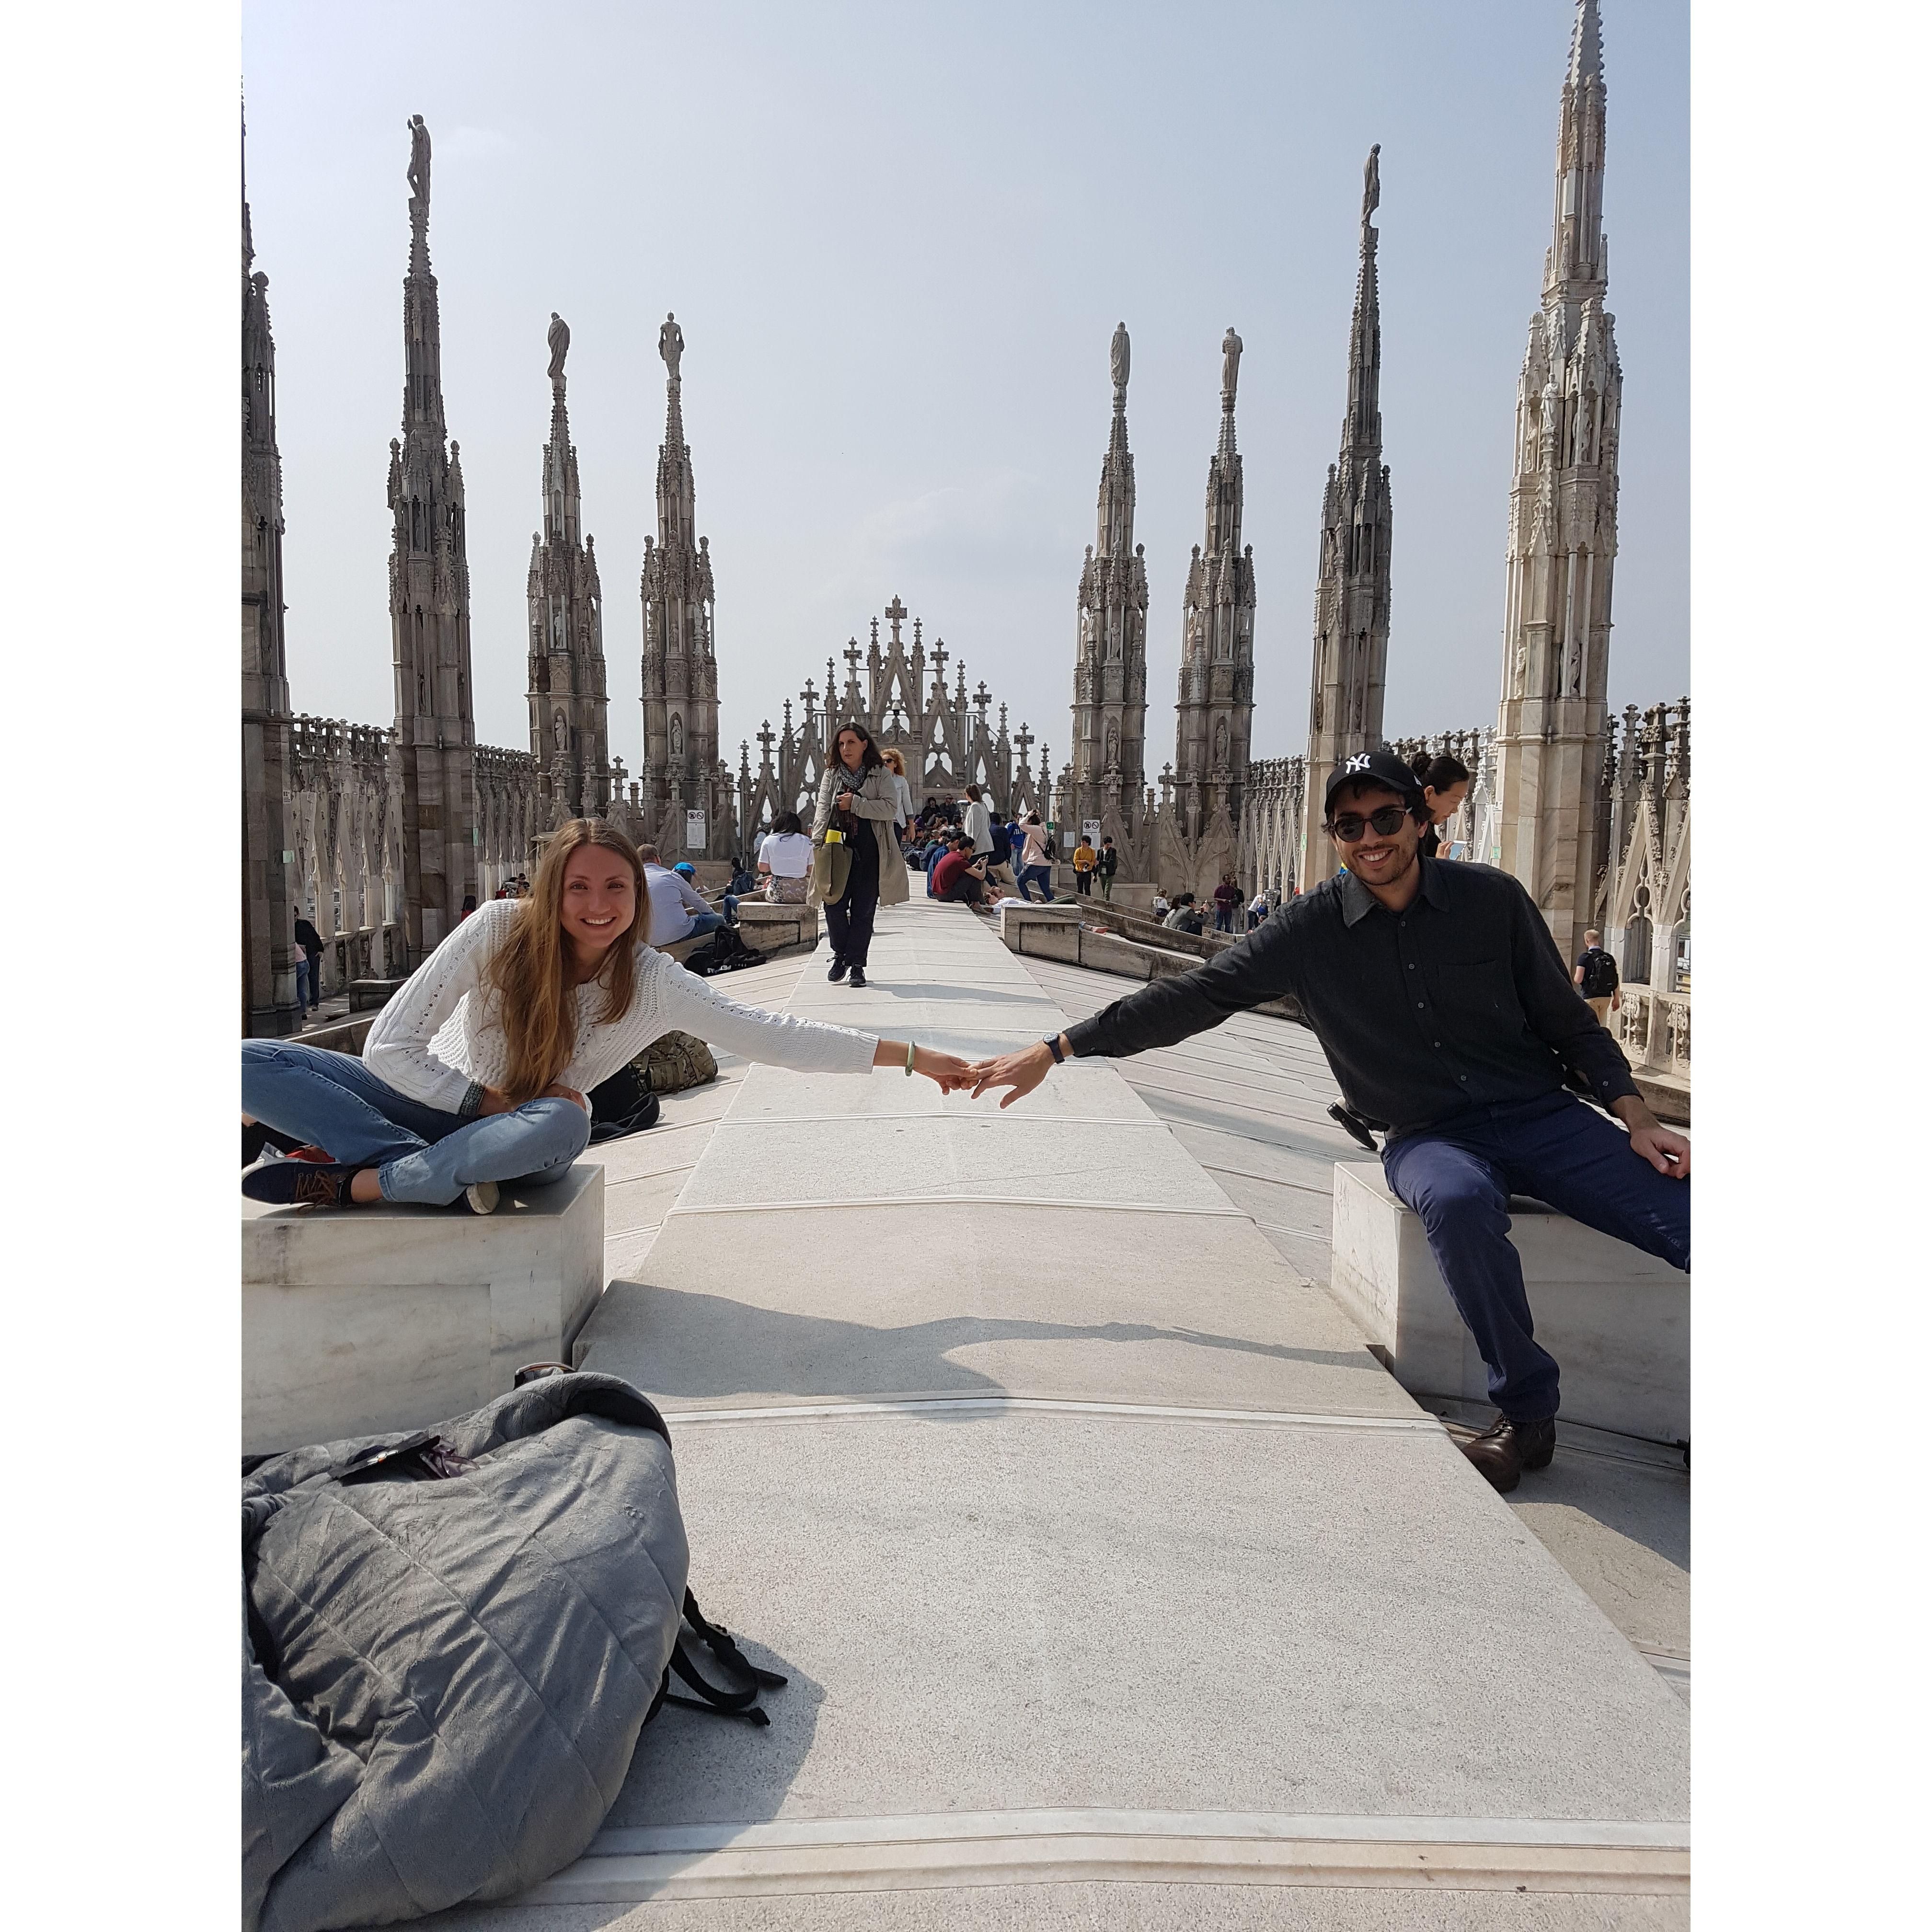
column 1449, row 1020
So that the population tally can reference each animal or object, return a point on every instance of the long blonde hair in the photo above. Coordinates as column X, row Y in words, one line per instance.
column 529, row 973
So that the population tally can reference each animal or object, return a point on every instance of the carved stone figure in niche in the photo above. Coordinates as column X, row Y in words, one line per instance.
column 670, row 345
column 1230, row 367
column 677, row 737
column 1119, row 355
column 1573, row 669
column 1221, row 745
column 419, row 166
column 560, row 345
column 1113, row 747
column 559, row 731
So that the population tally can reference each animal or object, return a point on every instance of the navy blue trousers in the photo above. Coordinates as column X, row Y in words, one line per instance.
column 1459, row 1177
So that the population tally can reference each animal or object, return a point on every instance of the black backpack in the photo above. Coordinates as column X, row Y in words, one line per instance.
column 1600, row 974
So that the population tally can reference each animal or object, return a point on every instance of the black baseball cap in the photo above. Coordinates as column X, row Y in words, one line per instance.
column 1382, row 768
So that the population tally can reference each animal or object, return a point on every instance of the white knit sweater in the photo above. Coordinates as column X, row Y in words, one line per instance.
column 440, row 1041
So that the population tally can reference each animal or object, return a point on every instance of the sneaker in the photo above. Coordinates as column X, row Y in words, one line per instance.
column 858, row 978
column 482, row 1196
column 299, row 1183
column 838, row 971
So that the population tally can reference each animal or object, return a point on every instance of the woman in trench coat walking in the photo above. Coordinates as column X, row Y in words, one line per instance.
column 857, row 799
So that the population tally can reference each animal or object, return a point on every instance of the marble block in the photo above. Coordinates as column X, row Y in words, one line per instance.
column 770, row 928
column 359, row 1319
column 1617, row 1320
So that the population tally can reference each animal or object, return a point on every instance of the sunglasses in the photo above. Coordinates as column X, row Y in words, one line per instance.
column 1348, row 826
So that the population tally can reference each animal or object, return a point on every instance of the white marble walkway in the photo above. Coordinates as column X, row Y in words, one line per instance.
column 1117, row 1582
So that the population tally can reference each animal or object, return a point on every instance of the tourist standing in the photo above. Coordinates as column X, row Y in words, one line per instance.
column 1227, row 899
column 858, row 801
column 1034, row 867
column 1442, row 1004
column 977, row 822
column 895, row 764
column 474, row 1073
column 1258, row 909
column 309, row 966
column 1085, row 860
column 785, row 861
column 1445, row 784
column 1596, row 978
column 1105, row 866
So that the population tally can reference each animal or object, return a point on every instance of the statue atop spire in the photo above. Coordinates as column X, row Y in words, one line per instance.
column 418, row 176
column 1118, row 358
column 1231, row 369
column 560, row 345
column 670, row 345
column 1372, row 183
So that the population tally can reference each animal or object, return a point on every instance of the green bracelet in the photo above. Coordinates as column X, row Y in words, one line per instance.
column 911, row 1050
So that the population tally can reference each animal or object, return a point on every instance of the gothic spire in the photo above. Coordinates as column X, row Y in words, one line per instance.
column 562, row 510
column 1115, row 534
column 422, row 324
column 1362, row 428
column 1577, row 267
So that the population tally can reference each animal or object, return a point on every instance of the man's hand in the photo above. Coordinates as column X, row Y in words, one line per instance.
column 1667, row 1151
column 1022, row 1072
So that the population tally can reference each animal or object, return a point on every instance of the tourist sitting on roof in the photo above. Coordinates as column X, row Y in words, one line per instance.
column 784, row 860
column 475, row 1074
column 958, row 875
column 689, row 902
column 1448, row 1017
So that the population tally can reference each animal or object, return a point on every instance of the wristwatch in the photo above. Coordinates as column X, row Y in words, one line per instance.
column 1051, row 1043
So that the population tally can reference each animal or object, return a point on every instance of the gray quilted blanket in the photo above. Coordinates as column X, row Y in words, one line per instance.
column 451, row 1640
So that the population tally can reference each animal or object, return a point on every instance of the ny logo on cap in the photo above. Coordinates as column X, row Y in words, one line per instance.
column 1359, row 763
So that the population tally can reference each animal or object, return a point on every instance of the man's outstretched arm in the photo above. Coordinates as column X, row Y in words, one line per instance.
column 1254, row 970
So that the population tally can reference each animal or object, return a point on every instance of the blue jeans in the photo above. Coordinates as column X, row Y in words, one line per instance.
column 1041, row 876
column 332, row 1101
column 702, row 923
column 1458, row 1177
column 305, row 994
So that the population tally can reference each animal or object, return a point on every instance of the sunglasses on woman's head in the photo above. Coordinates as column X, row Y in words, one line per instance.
column 1349, row 826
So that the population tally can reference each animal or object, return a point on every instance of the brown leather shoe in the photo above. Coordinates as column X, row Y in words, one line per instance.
column 1505, row 1449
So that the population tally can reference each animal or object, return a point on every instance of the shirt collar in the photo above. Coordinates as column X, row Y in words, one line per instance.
column 1357, row 902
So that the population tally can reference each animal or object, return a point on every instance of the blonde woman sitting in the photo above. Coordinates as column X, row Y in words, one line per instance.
column 475, row 1074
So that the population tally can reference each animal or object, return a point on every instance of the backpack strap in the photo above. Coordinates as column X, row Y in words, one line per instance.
column 711, row 1697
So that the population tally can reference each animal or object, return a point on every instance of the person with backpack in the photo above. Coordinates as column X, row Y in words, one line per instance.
column 1035, row 868
column 1596, row 978
column 1442, row 1004
column 1106, row 863
column 474, row 1073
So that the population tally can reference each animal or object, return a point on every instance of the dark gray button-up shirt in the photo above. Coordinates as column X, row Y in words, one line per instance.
column 1459, row 1000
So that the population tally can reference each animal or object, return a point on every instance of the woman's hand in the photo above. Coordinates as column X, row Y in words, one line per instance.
column 557, row 1090
column 494, row 1101
column 945, row 1069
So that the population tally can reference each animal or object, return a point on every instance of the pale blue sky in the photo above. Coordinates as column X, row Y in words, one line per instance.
column 897, row 238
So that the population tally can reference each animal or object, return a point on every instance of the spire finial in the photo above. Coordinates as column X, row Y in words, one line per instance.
column 1586, row 43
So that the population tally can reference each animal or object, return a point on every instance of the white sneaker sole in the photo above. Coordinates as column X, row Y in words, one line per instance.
column 482, row 1197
